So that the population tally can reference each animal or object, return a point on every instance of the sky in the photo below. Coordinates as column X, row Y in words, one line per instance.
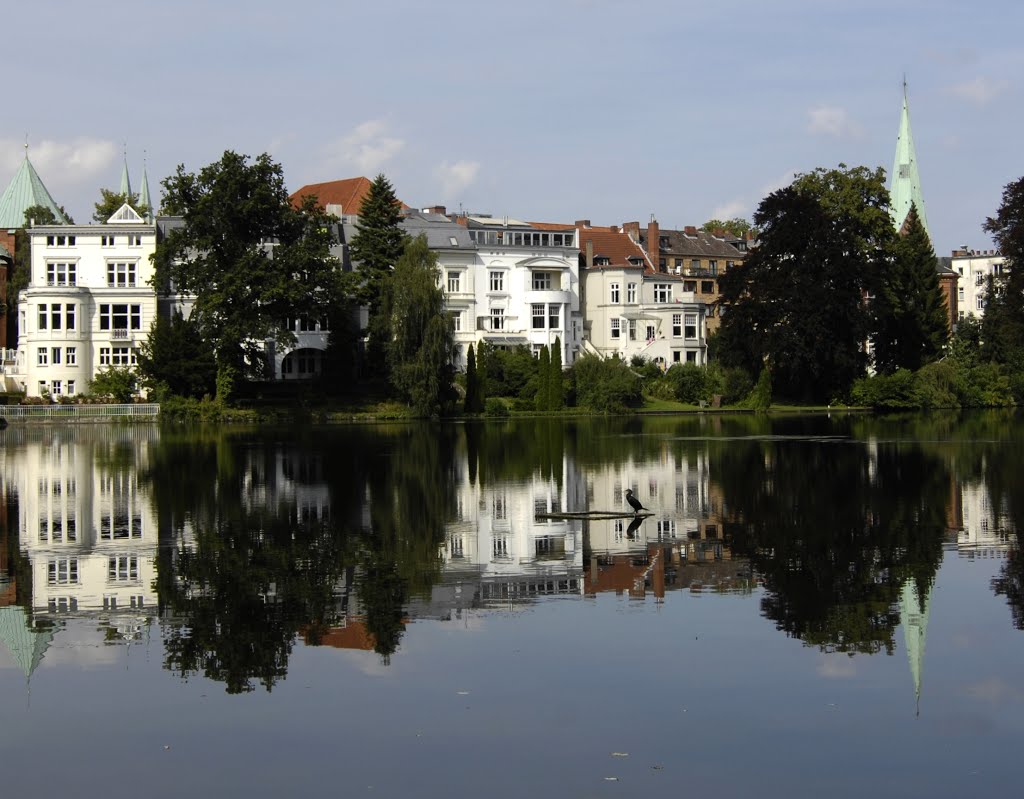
column 545, row 111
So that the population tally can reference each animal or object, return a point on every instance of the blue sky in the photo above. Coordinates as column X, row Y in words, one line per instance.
column 548, row 111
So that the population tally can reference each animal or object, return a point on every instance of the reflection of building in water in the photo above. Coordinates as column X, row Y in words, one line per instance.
column 986, row 530
column 86, row 526
column 914, row 615
column 678, row 546
column 503, row 546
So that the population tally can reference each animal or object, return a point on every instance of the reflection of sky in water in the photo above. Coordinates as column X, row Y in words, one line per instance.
column 536, row 699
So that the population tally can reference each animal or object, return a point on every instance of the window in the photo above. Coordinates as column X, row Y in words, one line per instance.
column 44, row 319
column 500, row 546
column 454, row 282
column 61, row 274
column 616, row 328
column 632, row 329
column 613, row 289
column 537, row 313
column 728, row 265
column 122, row 568
column 542, row 281
column 497, row 281
column 497, row 318
column 62, row 571
column 631, row 292
column 650, row 333
column 118, row 356
column 713, row 267
column 134, row 240
column 691, row 325
column 677, row 325
column 695, row 264
column 42, row 357
column 980, row 303
column 56, row 388
column 707, row 287
column 121, row 275
column 689, row 285
column 554, row 316
column 71, row 387
column 55, row 356
column 691, row 357
column 960, row 294
column 60, row 241
column 69, row 317
column 106, row 241
column 675, row 356
column 663, row 292
column 456, row 317
column 120, row 317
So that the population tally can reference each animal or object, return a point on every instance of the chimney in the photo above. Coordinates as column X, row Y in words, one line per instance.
column 690, row 230
column 653, row 241
column 582, row 223
column 436, row 209
column 632, row 229
column 614, row 229
column 590, row 253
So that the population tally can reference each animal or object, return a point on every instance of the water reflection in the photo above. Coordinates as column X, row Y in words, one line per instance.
column 231, row 546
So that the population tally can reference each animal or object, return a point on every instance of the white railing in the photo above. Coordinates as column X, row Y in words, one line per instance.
column 18, row 413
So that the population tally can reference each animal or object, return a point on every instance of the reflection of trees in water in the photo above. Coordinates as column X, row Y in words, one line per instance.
column 260, row 572
column 834, row 530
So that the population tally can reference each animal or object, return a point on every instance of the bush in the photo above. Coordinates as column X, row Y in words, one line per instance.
column 495, row 407
column 890, row 392
column 736, row 384
column 606, row 385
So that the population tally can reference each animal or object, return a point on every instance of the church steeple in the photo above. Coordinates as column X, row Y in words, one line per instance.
column 144, row 191
column 914, row 605
column 25, row 190
column 126, row 184
column 904, row 181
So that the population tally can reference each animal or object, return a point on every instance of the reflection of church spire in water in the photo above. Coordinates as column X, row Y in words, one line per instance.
column 26, row 643
column 914, row 615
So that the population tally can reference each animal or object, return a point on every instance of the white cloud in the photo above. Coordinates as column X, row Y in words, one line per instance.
column 65, row 162
column 730, row 210
column 832, row 121
column 780, row 182
column 366, row 149
column 980, row 91
column 837, row 668
column 995, row 690
column 456, row 177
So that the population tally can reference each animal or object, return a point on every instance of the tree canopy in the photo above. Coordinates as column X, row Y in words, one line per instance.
column 111, row 200
column 250, row 259
column 737, row 226
column 796, row 304
column 1003, row 323
column 912, row 325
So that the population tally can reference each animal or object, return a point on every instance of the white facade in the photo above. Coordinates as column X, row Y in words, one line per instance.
column 89, row 303
column 974, row 270
column 521, row 289
column 632, row 312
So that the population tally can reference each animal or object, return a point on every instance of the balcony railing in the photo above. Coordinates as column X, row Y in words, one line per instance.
column 120, row 334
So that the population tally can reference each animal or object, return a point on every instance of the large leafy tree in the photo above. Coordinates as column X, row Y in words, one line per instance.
column 1003, row 323
column 910, row 309
column 175, row 355
column 251, row 260
column 796, row 304
column 737, row 226
column 420, row 352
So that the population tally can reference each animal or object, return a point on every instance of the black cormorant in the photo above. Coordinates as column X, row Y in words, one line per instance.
column 634, row 503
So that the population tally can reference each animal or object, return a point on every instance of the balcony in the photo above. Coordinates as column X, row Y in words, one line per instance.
column 120, row 334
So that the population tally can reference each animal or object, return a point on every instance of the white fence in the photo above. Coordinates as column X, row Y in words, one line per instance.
column 23, row 413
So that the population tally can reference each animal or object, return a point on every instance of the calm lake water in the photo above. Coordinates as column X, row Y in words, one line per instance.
column 820, row 605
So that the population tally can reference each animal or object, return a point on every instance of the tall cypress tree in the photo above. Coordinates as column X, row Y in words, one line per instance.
column 910, row 310
column 473, row 402
column 543, row 379
column 556, row 399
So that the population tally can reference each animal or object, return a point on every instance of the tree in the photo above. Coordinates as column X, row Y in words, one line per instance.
column 556, row 393
column 474, row 385
column 607, row 385
column 543, row 378
column 911, row 327
column 421, row 350
column 177, row 356
column 796, row 304
column 115, row 383
column 1003, row 322
column 249, row 258
column 737, row 226
column 376, row 247
column 110, row 201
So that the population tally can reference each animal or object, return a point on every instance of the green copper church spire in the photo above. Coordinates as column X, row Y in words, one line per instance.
column 914, row 605
column 25, row 190
column 144, row 191
column 904, row 181
column 126, row 184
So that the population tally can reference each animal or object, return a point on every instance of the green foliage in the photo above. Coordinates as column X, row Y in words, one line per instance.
column 496, row 408
column 543, row 377
column 1003, row 323
column 894, row 391
column 760, row 399
column 556, row 387
column 226, row 377
column 175, row 355
column 474, row 385
column 911, row 318
column 736, row 385
column 606, row 385
column 421, row 351
column 965, row 347
column 110, row 201
column 737, row 226
column 252, row 260
column 796, row 302
column 507, row 373
column 943, row 384
column 114, row 384
column 689, row 383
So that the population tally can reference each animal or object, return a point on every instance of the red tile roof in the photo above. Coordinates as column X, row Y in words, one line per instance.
column 613, row 244
column 348, row 193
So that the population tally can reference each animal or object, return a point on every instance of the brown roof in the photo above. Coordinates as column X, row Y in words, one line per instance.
column 615, row 245
column 697, row 243
column 348, row 193
column 549, row 226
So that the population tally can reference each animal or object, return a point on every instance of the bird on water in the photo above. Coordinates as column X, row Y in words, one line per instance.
column 634, row 503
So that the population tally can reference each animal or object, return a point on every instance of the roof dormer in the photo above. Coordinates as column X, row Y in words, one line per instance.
column 126, row 215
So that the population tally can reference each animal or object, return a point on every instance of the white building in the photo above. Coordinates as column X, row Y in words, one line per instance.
column 633, row 308
column 89, row 303
column 974, row 268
